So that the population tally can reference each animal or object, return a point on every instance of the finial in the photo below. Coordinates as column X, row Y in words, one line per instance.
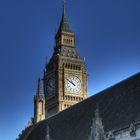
column 97, row 111
column 47, row 137
column 39, row 87
column 64, row 6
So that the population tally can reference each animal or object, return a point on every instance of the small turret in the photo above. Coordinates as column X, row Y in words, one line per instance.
column 97, row 128
column 39, row 104
column 47, row 137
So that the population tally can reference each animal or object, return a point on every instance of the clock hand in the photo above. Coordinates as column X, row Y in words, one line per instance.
column 71, row 82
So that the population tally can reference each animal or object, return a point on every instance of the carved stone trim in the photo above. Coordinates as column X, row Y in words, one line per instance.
column 110, row 136
column 97, row 128
column 47, row 137
column 132, row 129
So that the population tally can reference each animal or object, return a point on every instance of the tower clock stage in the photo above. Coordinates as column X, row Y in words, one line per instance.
column 65, row 76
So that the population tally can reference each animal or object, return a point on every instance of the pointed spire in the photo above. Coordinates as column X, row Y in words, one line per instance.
column 47, row 137
column 39, row 104
column 64, row 7
column 97, row 112
column 64, row 26
column 97, row 128
column 39, row 92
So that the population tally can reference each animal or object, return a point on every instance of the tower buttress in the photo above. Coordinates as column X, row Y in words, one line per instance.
column 39, row 104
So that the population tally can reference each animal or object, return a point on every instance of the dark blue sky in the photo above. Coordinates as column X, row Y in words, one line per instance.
column 107, row 35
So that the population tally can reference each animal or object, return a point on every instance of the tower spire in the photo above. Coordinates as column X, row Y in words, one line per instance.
column 64, row 7
column 64, row 26
column 39, row 92
column 39, row 104
column 97, row 128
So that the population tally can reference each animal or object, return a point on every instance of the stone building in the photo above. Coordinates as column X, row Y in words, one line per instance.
column 65, row 77
column 113, row 114
column 64, row 113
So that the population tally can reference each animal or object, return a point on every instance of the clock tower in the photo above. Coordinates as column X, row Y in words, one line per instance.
column 65, row 76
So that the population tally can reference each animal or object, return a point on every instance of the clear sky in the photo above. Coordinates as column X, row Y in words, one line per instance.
column 107, row 35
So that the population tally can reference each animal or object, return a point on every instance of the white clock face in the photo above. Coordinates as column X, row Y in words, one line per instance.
column 73, row 84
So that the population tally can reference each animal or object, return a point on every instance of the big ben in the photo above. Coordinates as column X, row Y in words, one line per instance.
column 65, row 76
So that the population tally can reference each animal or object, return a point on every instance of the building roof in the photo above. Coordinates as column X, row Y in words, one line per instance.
column 119, row 106
column 25, row 133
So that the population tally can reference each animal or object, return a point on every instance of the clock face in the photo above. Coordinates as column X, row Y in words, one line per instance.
column 51, row 86
column 73, row 84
